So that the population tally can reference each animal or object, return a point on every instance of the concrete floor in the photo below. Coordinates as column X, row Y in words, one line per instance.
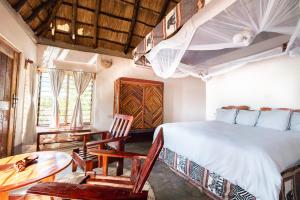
column 165, row 183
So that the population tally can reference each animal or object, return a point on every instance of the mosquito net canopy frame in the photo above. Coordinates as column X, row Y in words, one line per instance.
column 225, row 35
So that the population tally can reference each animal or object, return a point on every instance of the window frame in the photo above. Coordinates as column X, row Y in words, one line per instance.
column 68, row 73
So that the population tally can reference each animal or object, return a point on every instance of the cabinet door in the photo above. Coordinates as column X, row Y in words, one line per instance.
column 131, row 103
column 153, row 106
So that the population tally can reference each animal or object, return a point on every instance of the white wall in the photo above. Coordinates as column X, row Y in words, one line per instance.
column 184, row 99
column 272, row 83
column 12, row 28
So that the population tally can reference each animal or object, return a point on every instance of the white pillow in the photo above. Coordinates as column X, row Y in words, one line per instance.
column 247, row 117
column 274, row 119
column 226, row 115
column 295, row 121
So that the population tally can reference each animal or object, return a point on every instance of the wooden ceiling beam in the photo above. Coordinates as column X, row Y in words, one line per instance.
column 144, row 23
column 44, row 27
column 93, row 10
column 109, row 14
column 98, row 38
column 132, row 25
column 100, row 27
column 19, row 5
column 78, row 47
column 163, row 10
column 74, row 18
column 37, row 15
column 96, row 30
column 141, row 7
column 44, row 5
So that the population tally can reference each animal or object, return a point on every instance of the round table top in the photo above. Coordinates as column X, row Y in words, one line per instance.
column 48, row 164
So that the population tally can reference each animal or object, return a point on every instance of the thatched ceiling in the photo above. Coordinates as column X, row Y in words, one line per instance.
column 112, row 25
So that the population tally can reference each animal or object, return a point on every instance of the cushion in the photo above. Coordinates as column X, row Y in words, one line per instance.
column 247, row 117
column 295, row 121
column 226, row 115
column 274, row 119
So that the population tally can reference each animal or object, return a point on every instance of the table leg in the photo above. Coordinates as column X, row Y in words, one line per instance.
column 100, row 160
column 105, row 165
column 4, row 196
column 49, row 179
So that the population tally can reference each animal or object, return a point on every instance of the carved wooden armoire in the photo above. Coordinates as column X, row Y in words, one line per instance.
column 143, row 99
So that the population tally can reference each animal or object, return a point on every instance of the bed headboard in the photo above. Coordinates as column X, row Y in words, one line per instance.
column 268, row 109
column 262, row 108
column 236, row 107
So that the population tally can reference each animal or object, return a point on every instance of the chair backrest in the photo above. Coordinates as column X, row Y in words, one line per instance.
column 149, row 162
column 121, row 125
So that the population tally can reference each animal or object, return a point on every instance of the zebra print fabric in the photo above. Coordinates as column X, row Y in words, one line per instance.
column 181, row 164
column 196, row 172
column 238, row 193
column 169, row 157
column 210, row 181
column 216, row 184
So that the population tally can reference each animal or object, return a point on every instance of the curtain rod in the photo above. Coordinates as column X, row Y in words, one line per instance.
column 28, row 61
column 67, row 70
column 44, row 69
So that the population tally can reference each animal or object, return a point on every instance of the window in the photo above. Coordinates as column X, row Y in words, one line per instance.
column 66, row 99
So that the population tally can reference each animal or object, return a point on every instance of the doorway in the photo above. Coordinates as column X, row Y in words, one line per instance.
column 9, row 61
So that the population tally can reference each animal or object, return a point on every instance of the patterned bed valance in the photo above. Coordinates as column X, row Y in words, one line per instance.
column 170, row 24
column 217, row 187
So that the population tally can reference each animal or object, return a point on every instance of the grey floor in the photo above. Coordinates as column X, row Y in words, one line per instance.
column 165, row 183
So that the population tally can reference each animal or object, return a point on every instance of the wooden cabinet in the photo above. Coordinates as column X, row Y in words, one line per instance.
column 143, row 99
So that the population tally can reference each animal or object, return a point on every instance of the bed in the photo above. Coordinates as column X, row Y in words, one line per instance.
column 230, row 161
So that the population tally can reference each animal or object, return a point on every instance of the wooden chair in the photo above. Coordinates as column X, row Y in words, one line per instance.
column 112, row 139
column 108, row 187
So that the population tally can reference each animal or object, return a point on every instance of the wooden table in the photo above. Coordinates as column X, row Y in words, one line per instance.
column 49, row 164
column 56, row 132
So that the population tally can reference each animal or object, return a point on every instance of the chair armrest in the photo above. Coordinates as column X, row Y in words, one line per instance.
column 89, row 133
column 49, row 133
column 117, row 154
column 55, row 132
column 84, row 191
column 118, row 139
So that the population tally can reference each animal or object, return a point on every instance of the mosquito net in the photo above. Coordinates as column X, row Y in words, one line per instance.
column 294, row 45
column 228, row 34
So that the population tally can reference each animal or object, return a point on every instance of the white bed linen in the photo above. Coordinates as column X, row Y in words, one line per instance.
column 250, row 157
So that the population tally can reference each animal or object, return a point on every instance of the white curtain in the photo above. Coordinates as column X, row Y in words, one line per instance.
column 221, row 28
column 81, row 80
column 56, row 80
column 29, row 135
